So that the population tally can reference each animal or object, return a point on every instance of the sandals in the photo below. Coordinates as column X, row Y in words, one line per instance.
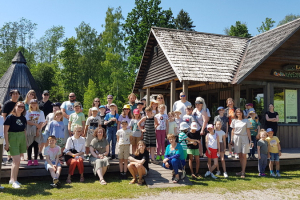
column 238, row 173
column 194, row 176
column 175, row 180
column 140, row 182
column 81, row 179
column 242, row 175
column 102, row 182
column 133, row 181
column 198, row 175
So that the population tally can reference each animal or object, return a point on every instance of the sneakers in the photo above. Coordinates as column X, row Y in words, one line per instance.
column 236, row 156
column 9, row 161
column 213, row 176
column 162, row 157
column 183, row 174
column 53, row 185
column 35, row 163
column 29, row 163
column 15, row 185
column 1, row 187
column 225, row 175
column 262, row 174
column 41, row 156
column 218, row 173
column 113, row 157
column 207, row 174
column 230, row 155
column 278, row 174
column 11, row 182
column 87, row 158
column 272, row 174
column 55, row 181
column 157, row 157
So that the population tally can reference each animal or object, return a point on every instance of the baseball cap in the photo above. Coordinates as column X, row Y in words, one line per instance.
column 102, row 106
column 136, row 111
column 56, row 104
column 124, row 121
column 183, row 126
column 249, row 104
column 140, row 103
column 210, row 126
column 270, row 130
column 199, row 100
column 252, row 112
column 77, row 104
column 220, row 108
column 45, row 92
column 194, row 126
column 94, row 109
column 33, row 101
column 126, row 106
column 113, row 105
column 110, row 96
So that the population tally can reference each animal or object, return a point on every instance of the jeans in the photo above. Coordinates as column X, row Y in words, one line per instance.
column 111, row 137
column 252, row 151
column 175, row 163
column 262, row 163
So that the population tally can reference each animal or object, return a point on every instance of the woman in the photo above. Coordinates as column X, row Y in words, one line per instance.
column 30, row 95
column 241, row 136
column 229, row 112
column 99, row 149
column 272, row 118
column 174, row 158
column 96, row 103
column 125, row 115
column 109, row 101
column 74, row 144
column 139, row 163
column 201, row 117
column 160, row 100
column 15, row 139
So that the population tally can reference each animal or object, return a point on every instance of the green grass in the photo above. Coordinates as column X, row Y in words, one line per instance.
column 39, row 187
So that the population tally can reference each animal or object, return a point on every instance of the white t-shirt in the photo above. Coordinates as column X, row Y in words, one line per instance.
column 199, row 118
column 178, row 105
column 92, row 123
column 124, row 136
column 49, row 119
column 240, row 126
column 172, row 126
column 78, row 144
column 220, row 134
column 162, row 121
column 1, row 126
column 52, row 152
column 35, row 116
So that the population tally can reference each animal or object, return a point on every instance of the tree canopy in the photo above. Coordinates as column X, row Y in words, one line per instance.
column 266, row 25
column 239, row 29
column 183, row 21
column 288, row 18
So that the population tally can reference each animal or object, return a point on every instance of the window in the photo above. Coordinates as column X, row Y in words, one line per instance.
column 285, row 104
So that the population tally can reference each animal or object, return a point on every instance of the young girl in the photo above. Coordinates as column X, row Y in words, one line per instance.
column 125, row 115
column 172, row 125
column 136, row 137
column 57, row 128
column 52, row 153
column 161, row 131
column 148, row 132
column 212, row 151
column 222, row 141
column 154, row 106
column 178, row 120
column 35, row 119
column 30, row 95
column 96, row 103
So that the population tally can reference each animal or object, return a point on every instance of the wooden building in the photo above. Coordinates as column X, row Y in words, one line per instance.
column 261, row 70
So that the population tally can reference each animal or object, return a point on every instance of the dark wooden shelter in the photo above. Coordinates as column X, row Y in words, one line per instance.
column 261, row 70
column 18, row 77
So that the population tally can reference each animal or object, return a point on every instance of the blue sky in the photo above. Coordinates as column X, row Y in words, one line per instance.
column 210, row 16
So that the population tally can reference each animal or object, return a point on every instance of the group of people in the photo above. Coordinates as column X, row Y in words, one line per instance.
column 66, row 135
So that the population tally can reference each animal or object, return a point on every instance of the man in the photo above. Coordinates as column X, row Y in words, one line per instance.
column 67, row 109
column 132, row 103
column 109, row 101
column 45, row 105
column 181, row 104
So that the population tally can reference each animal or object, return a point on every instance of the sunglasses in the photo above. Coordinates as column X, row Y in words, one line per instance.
column 46, row 94
column 109, row 98
column 71, row 96
column 182, row 95
column 199, row 103
column 21, row 106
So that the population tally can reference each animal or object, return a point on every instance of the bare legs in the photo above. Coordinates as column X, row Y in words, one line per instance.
column 136, row 169
column 101, row 171
column 191, row 163
column 243, row 161
column 212, row 168
column 222, row 161
column 123, row 167
column 15, row 168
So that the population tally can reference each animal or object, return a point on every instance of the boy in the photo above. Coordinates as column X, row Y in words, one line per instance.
column 188, row 118
column 91, row 124
column 124, row 137
column 76, row 118
column 111, row 128
column 262, row 152
column 102, row 109
column 52, row 153
column 193, row 149
column 274, row 150
column 254, row 129
column 223, row 119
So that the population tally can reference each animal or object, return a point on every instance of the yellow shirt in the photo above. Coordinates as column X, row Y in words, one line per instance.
column 273, row 142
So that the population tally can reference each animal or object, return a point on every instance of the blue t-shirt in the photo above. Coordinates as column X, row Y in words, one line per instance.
column 57, row 129
column 108, row 116
column 69, row 108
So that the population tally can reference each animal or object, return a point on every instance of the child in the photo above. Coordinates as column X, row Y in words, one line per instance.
column 274, row 150
column 136, row 137
column 76, row 118
column 222, row 141
column 223, row 119
column 111, row 126
column 262, row 152
column 57, row 128
column 124, row 137
column 91, row 124
column 188, row 118
column 193, row 149
column 140, row 106
column 213, row 150
column 161, row 131
column 52, row 153
column 125, row 115
column 178, row 120
column 154, row 106
column 102, row 116
column 35, row 119
column 254, row 129
column 183, row 139
column 148, row 132
column 172, row 125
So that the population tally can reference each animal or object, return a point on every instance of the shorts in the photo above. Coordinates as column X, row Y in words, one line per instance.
column 88, row 139
column 60, row 142
column 17, row 143
column 213, row 153
column 123, row 151
column 45, row 134
column 241, row 144
column 194, row 152
column 274, row 157
column 222, row 147
column 47, row 166
column 135, row 140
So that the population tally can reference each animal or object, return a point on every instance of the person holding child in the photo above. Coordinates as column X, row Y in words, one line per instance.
column 262, row 153
column 124, row 137
column 99, row 149
column 274, row 152
column 52, row 153
column 161, row 131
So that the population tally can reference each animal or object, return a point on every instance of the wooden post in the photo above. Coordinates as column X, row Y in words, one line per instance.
column 142, row 94
column 185, row 88
column 172, row 94
column 236, row 90
column 148, row 96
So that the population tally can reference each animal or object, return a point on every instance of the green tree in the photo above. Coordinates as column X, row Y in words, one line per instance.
column 44, row 74
column 266, row 25
column 288, row 18
column 183, row 21
column 239, row 30
column 89, row 95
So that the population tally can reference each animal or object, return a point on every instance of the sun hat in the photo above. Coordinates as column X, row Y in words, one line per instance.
column 126, row 106
column 56, row 104
column 199, row 100
column 194, row 126
column 77, row 104
column 210, row 126
column 136, row 111
column 45, row 92
column 252, row 112
column 183, row 126
column 94, row 109
column 139, row 103
column 33, row 101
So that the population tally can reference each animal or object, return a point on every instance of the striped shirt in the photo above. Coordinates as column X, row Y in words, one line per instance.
column 182, row 140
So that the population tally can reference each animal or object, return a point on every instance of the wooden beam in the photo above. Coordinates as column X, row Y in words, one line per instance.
column 236, row 94
column 172, row 94
column 156, row 91
column 142, row 94
column 185, row 85
column 148, row 96
column 162, row 83
column 196, row 85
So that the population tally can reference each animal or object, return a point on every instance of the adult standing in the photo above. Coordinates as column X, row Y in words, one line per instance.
column 160, row 100
column 132, row 102
column 15, row 139
column 96, row 103
column 30, row 95
column 201, row 117
column 229, row 112
column 241, row 137
column 67, row 109
column 272, row 118
column 109, row 102
column 7, row 108
column 181, row 104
